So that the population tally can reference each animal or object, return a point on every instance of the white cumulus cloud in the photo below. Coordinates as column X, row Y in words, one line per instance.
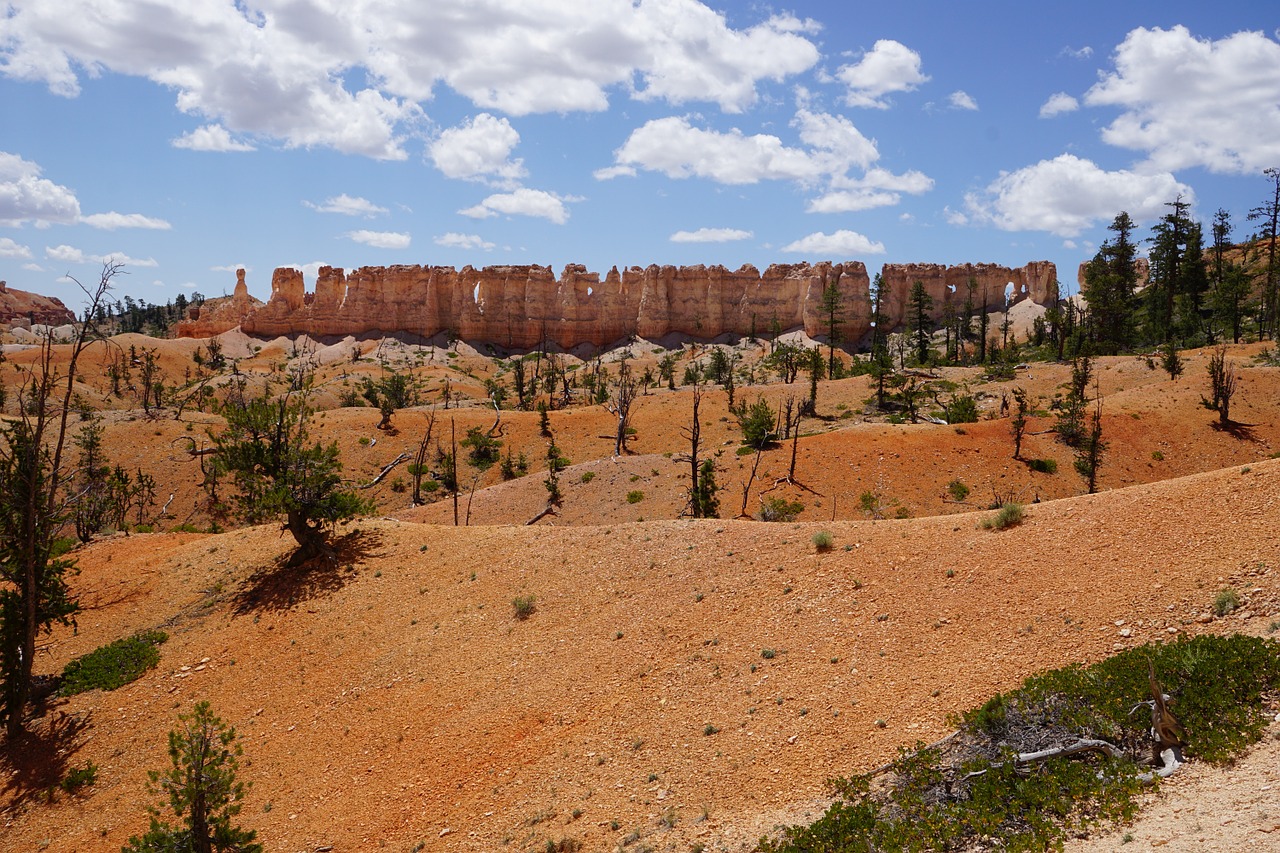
column 353, row 76
column 1067, row 194
column 10, row 248
column 1058, row 103
column 1189, row 101
column 27, row 197
column 841, row 244
column 347, row 206
column 962, row 100
column 454, row 240
column 479, row 149
column 65, row 254
column 211, row 137
column 522, row 202
column 380, row 239
column 711, row 235
column 888, row 67
column 112, row 220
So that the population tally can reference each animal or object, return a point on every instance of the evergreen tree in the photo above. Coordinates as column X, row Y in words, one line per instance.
column 201, row 789
column 919, row 306
column 833, row 311
column 1110, row 280
column 1269, row 214
column 266, row 448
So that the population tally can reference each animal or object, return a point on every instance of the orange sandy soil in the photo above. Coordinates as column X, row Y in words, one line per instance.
column 396, row 699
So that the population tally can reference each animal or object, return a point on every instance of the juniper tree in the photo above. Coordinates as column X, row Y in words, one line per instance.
column 34, row 595
column 266, row 447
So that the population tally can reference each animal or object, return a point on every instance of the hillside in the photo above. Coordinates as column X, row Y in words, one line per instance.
column 396, row 699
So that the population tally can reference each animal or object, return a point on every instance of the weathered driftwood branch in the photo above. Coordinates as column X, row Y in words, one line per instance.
column 385, row 471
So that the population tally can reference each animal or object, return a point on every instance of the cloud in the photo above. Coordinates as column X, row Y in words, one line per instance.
column 1059, row 102
column 1067, row 194
column 1190, row 102
column 842, row 243
column 11, row 249
column 522, row 202
column 1077, row 53
column 210, row 137
column 232, row 268
column 962, row 100
column 677, row 149
column 850, row 201
column 381, row 239
column 479, row 149
column 454, row 240
column 711, row 235
column 348, row 206
column 27, row 197
column 353, row 77
column 65, row 254
column 111, row 221
column 889, row 67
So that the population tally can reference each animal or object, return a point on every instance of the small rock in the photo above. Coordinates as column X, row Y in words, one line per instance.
column 445, row 832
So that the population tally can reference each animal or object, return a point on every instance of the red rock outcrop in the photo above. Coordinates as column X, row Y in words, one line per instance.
column 216, row 316
column 523, row 306
column 22, row 308
column 1141, row 265
column 993, row 286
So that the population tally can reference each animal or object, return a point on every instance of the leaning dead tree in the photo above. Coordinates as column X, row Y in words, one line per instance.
column 624, row 395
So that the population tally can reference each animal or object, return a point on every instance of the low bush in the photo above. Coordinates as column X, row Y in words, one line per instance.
column 1225, row 602
column 780, row 509
column 1009, row 515
column 975, row 792
column 523, row 605
column 822, row 541
column 113, row 665
column 1043, row 466
column 79, row 777
column 635, row 496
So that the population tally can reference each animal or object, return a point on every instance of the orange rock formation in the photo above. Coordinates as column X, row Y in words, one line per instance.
column 524, row 306
column 21, row 308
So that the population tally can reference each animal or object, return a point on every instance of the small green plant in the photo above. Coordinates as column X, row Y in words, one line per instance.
column 113, row 665
column 823, row 541
column 79, row 777
column 363, row 441
column 780, row 509
column 635, row 496
column 524, row 606
column 709, row 730
column 588, row 476
column 768, row 654
column 1043, row 466
column 200, row 788
column 958, row 491
column 1157, row 456
column 1227, row 601
column 1009, row 515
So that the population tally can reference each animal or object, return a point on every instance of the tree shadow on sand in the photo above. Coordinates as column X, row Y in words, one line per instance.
column 36, row 762
column 283, row 586
column 1235, row 429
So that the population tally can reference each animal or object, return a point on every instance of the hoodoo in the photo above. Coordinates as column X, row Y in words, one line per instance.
column 525, row 306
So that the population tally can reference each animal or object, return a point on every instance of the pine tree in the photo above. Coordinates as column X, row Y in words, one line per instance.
column 201, row 789
column 919, row 304
column 1110, row 280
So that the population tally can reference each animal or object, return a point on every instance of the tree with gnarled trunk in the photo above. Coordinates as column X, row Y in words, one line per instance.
column 34, row 594
column 266, row 448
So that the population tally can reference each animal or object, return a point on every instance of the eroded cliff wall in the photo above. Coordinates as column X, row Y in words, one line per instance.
column 523, row 306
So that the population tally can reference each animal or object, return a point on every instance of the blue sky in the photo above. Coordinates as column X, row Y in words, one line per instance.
column 188, row 137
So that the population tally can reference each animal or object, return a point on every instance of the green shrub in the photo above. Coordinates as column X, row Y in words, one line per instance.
column 768, row 654
column 79, row 777
column 962, row 410
column 822, row 540
column 523, row 605
column 635, row 496
column 1009, row 515
column 780, row 509
column 980, row 796
column 958, row 490
column 1225, row 602
column 1043, row 466
column 588, row 476
column 113, row 665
